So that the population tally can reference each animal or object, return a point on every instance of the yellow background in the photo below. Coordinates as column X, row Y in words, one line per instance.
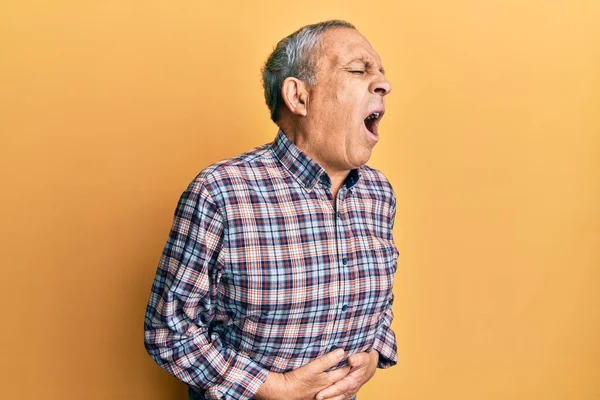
column 491, row 140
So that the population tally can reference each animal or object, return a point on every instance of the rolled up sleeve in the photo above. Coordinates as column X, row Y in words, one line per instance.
column 181, row 306
column 385, row 339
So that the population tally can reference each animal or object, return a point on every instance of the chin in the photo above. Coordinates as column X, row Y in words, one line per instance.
column 363, row 159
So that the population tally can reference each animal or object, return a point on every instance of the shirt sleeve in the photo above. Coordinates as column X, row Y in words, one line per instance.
column 177, row 326
column 385, row 340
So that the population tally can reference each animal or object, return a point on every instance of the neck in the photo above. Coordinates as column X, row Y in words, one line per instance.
column 300, row 138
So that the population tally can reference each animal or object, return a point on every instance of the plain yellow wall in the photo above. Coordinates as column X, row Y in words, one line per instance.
column 491, row 140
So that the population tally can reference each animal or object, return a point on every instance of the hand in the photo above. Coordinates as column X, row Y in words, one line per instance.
column 305, row 382
column 363, row 366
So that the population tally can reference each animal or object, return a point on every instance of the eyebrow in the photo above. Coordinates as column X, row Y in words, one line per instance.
column 366, row 62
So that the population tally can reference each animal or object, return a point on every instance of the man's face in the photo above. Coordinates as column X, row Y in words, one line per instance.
column 350, row 87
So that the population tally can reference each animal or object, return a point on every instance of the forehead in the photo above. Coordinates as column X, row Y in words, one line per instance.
column 344, row 45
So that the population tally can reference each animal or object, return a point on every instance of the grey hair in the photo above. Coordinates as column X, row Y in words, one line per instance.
column 294, row 57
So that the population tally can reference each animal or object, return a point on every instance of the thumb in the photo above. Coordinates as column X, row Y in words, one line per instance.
column 324, row 362
column 358, row 360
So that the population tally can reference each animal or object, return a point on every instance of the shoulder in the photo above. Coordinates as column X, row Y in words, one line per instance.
column 226, row 175
column 375, row 179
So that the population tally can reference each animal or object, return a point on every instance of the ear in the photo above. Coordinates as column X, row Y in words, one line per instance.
column 295, row 96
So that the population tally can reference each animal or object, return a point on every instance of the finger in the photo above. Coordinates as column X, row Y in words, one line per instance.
column 341, row 387
column 359, row 360
column 324, row 362
column 337, row 374
column 340, row 397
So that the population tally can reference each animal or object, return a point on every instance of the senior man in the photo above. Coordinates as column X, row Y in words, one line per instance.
column 276, row 280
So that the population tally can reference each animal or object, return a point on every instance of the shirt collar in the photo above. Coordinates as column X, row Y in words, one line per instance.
column 304, row 169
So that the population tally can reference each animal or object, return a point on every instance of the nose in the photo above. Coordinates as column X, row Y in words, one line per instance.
column 381, row 86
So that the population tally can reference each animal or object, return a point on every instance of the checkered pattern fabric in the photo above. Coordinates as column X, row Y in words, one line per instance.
column 262, row 273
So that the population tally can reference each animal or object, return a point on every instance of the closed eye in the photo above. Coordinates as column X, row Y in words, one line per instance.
column 357, row 72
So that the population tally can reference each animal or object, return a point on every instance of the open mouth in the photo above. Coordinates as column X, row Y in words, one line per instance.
column 372, row 121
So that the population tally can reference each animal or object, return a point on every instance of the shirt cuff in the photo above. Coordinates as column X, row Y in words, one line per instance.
column 385, row 344
column 242, row 381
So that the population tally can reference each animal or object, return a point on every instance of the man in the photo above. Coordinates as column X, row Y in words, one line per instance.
column 276, row 280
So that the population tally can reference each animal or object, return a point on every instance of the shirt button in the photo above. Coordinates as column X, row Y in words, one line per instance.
column 345, row 261
column 339, row 214
column 345, row 307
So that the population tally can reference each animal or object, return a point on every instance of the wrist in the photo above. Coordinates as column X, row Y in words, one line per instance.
column 273, row 388
column 374, row 359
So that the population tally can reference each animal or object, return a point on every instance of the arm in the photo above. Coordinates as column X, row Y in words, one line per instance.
column 385, row 340
column 181, row 305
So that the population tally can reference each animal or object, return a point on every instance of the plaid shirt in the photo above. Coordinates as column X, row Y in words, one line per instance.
column 260, row 272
